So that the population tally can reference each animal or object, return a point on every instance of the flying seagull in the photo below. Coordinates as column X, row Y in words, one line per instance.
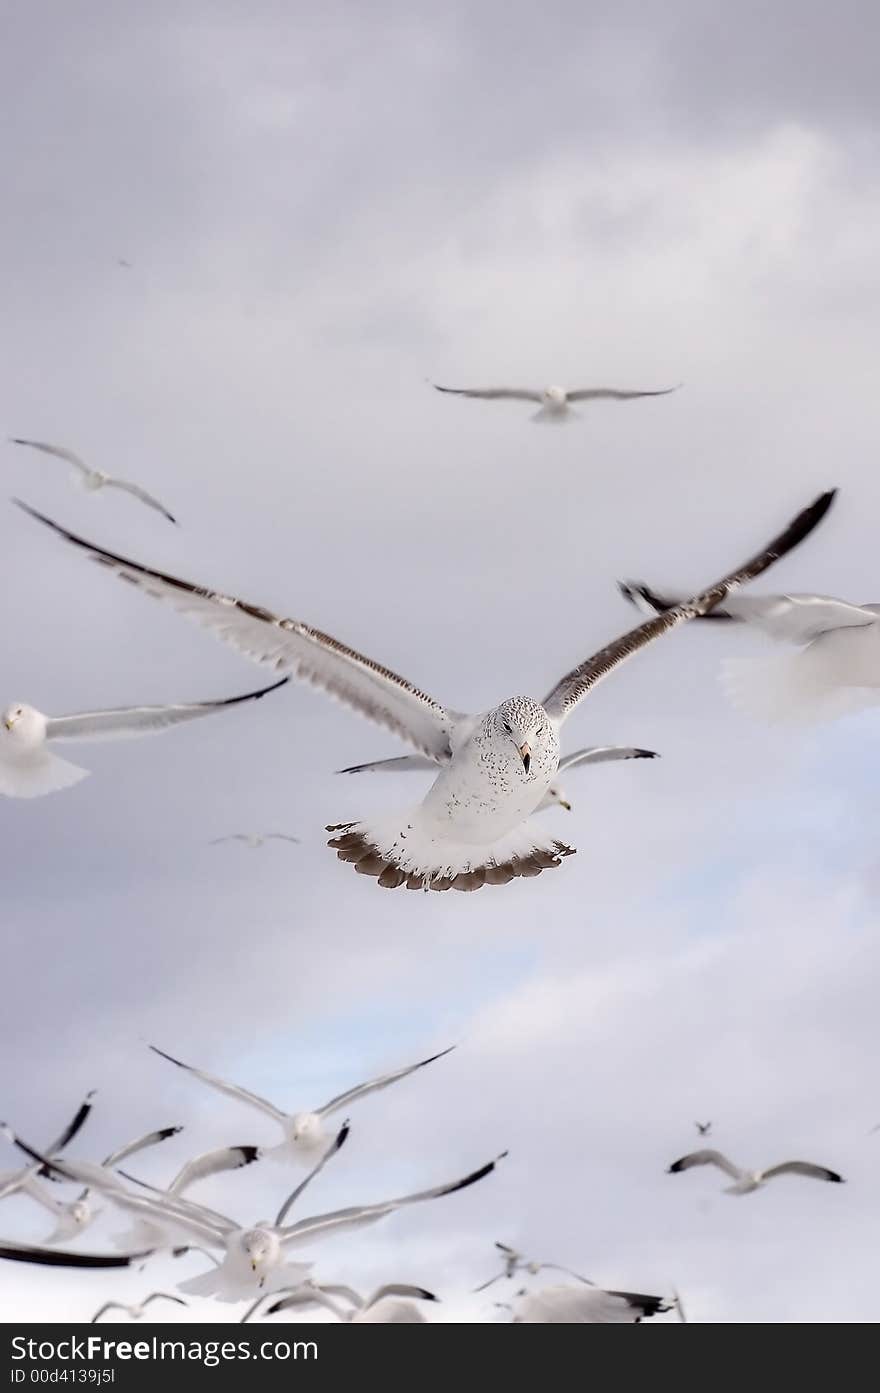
column 92, row 480
column 12, row 1182
column 836, row 670
column 393, row 1304
column 137, row 1311
column 554, row 402
column 555, row 795
column 256, row 839
column 303, row 1131
column 145, row 1234
column 515, row 1261
column 704, row 1128
column 582, row 1305
column 28, row 767
column 745, row 1182
column 473, row 827
column 252, row 1259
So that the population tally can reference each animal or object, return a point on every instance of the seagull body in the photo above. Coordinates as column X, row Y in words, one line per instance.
column 555, row 795
column 555, row 402
column 515, row 1261
column 92, row 480
column 564, row 1305
column 135, row 1312
column 473, row 827
column 836, row 670
column 745, row 1182
column 256, row 839
column 304, row 1132
column 30, row 769
column 254, row 1259
column 393, row 1304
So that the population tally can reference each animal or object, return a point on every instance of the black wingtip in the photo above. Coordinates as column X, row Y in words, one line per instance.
column 166, row 1132
column 647, row 754
column 342, row 1135
column 248, row 1154
column 170, row 1057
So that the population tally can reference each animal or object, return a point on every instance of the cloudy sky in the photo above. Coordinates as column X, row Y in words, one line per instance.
column 323, row 208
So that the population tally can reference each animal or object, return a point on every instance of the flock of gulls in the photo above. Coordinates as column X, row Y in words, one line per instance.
column 491, row 773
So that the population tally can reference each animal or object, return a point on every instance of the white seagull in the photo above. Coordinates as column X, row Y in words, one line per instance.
column 836, row 670
column 515, row 1261
column 252, row 1259
column 256, row 839
column 745, row 1182
column 135, row 1312
column 303, row 1131
column 582, row 1305
column 554, row 402
column 92, row 480
column 473, row 827
column 555, row 795
column 392, row 1304
column 28, row 767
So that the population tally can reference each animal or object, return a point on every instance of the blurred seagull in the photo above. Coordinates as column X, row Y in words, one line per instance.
column 29, row 769
column 303, row 1131
column 517, row 1262
column 256, row 839
column 92, row 480
column 554, row 797
column 836, row 671
column 745, row 1182
column 393, row 1304
column 145, row 1234
column 555, row 402
column 137, row 1311
column 704, row 1128
column 252, row 1259
column 474, row 826
column 565, row 1305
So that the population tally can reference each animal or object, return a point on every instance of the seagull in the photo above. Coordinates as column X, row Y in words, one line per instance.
column 517, row 1262
column 76, row 1215
column 136, row 1312
column 473, row 827
column 144, row 1234
column 28, row 767
column 393, row 1304
column 253, row 1259
column 12, row 1182
column 747, row 1181
column 566, row 1305
column 256, row 839
column 554, row 797
column 303, row 1131
column 92, row 480
column 835, row 672
column 554, row 402
column 704, row 1128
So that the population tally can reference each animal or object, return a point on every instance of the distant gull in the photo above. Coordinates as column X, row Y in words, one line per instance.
column 835, row 673
column 473, row 827
column 704, row 1128
column 29, row 769
column 555, row 795
column 555, row 402
column 745, row 1182
column 303, row 1131
column 137, row 1311
column 256, row 839
column 566, row 1305
column 515, row 1261
column 92, row 480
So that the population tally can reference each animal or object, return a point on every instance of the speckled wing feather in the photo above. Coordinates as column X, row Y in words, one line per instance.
column 288, row 645
column 565, row 696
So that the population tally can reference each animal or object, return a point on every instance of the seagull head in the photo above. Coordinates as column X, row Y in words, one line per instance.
column 526, row 725
column 261, row 1247
column 305, row 1131
column 556, row 795
column 555, row 396
column 26, row 726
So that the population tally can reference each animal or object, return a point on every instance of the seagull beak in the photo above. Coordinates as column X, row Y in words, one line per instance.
column 9, row 723
column 566, row 806
column 253, row 1264
column 525, row 754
